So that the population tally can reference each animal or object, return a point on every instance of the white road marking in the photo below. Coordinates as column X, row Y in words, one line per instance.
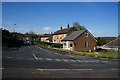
column 57, row 60
column 65, row 60
column 8, row 57
column 28, row 46
column 19, row 58
column 40, row 58
column 86, row 61
column 73, row 60
column 114, row 69
column 34, row 56
column 1, row 68
column 92, row 61
column 49, row 59
column 79, row 60
column 30, row 58
column 65, row 69
column 105, row 61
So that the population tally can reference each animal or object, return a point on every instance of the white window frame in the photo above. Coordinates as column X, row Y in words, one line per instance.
column 71, row 44
column 86, row 44
column 86, row 34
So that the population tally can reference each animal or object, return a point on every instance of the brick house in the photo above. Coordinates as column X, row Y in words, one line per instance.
column 62, row 33
column 81, row 40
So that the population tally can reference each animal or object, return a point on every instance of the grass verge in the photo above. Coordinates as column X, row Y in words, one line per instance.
column 102, row 54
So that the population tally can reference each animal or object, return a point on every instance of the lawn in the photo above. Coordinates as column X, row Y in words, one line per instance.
column 107, row 54
column 102, row 54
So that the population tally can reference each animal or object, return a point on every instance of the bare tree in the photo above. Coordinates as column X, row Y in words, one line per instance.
column 78, row 26
column 32, row 35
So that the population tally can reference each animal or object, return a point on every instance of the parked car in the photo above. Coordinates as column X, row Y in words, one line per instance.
column 100, row 49
column 28, row 42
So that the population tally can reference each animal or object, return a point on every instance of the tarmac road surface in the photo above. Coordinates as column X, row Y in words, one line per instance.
column 34, row 62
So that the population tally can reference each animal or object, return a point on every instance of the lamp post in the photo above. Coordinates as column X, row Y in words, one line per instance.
column 14, row 27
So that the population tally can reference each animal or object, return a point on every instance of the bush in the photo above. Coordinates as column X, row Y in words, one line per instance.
column 46, row 44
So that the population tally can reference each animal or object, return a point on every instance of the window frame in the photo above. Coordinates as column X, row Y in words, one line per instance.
column 71, row 44
column 86, row 44
column 65, row 44
column 86, row 34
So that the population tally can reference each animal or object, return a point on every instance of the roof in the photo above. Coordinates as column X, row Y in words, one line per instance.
column 73, row 35
column 45, row 35
column 113, row 44
column 63, row 30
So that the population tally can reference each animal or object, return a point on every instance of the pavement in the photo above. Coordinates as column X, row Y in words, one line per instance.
column 33, row 61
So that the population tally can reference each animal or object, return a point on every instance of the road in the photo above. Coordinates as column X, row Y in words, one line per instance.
column 34, row 62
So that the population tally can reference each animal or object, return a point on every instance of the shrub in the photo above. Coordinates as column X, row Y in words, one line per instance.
column 46, row 44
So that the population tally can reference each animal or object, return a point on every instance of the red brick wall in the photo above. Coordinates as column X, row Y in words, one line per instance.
column 79, row 43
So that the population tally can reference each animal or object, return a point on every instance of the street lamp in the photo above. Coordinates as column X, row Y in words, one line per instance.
column 14, row 27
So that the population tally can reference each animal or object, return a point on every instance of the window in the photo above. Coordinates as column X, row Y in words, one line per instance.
column 59, row 36
column 65, row 44
column 86, row 44
column 86, row 34
column 71, row 45
column 56, row 36
column 59, row 41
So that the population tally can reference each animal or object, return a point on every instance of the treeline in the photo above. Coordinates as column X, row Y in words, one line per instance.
column 11, row 39
column 103, row 40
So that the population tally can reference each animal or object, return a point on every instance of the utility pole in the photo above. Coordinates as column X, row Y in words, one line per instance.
column 14, row 27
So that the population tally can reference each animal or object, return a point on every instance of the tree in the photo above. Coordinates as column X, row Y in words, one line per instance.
column 31, row 35
column 101, row 41
column 78, row 26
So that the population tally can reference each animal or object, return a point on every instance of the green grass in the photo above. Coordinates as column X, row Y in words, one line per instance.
column 107, row 54
column 40, row 43
column 101, row 54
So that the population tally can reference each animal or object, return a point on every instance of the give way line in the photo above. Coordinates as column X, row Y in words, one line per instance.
column 35, row 56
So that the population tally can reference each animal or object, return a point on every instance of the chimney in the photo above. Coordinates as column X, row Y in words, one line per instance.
column 61, row 28
column 68, row 26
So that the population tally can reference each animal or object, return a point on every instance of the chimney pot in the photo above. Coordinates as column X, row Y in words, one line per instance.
column 61, row 27
column 68, row 26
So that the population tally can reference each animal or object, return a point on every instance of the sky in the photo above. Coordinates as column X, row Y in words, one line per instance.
column 100, row 18
column 60, row 0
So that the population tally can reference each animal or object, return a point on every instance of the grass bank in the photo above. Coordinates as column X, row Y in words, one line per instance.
column 102, row 54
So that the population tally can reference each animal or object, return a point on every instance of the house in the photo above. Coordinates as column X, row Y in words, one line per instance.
column 25, row 37
column 81, row 40
column 112, row 45
column 62, row 33
column 46, row 38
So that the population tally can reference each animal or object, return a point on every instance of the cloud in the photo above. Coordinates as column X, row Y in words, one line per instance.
column 46, row 28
